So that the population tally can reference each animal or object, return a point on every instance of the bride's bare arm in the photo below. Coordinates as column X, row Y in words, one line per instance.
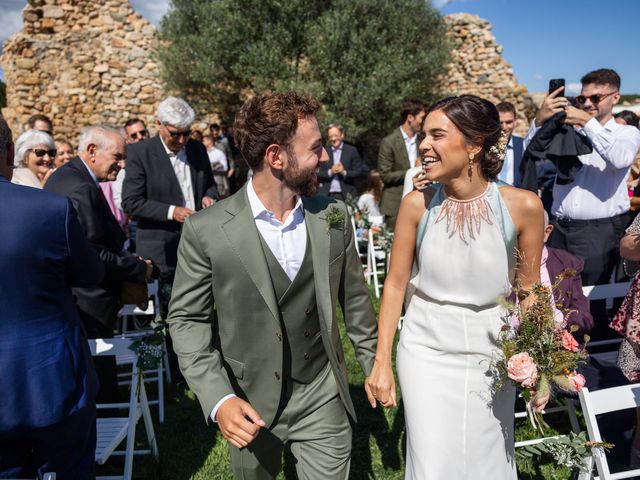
column 381, row 384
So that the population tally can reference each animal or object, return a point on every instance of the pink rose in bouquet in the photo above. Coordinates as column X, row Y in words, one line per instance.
column 569, row 342
column 578, row 381
column 522, row 368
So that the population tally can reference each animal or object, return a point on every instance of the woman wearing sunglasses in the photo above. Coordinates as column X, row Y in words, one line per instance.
column 35, row 153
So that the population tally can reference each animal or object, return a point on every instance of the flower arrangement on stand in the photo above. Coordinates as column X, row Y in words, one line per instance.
column 541, row 356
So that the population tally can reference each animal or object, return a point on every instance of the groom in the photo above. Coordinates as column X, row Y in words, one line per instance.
column 253, row 310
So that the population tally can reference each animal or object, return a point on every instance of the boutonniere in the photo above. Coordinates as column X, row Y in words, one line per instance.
column 334, row 218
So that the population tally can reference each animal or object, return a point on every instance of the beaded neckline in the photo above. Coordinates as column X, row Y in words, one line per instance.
column 465, row 216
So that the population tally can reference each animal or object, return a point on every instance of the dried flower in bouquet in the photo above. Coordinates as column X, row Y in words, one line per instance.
column 539, row 354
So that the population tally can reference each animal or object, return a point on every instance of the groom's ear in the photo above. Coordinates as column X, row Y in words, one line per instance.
column 274, row 156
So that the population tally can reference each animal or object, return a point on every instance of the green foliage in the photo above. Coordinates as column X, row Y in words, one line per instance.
column 3, row 94
column 358, row 57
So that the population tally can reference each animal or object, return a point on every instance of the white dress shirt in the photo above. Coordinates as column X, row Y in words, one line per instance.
column 335, row 180
column 183, row 175
column 408, row 180
column 287, row 241
column 507, row 174
column 410, row 145
column 218, row 160
column 116, row 189
column 599, row 189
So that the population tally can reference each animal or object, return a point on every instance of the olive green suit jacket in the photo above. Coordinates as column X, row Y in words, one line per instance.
column 393, row 163
column 224, row 318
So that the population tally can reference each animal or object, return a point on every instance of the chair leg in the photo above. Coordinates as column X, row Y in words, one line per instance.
column 148, row 422
column 160, row 394
column 573, row 418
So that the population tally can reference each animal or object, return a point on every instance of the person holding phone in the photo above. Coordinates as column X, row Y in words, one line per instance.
column 590, row 212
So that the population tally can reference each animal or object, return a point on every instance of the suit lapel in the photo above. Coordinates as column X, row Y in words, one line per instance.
column 241, row 230
column 320, row 240
column 402, row 149
column 162, row 166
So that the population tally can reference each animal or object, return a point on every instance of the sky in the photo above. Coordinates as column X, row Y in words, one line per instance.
column 542, row 39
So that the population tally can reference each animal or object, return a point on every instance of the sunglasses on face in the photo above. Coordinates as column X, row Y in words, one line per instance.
column 181, row 133
column 41, row 153
column 595, row 99
column 141, row 134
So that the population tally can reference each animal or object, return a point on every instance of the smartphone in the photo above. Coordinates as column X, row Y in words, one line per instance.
column 556, row 83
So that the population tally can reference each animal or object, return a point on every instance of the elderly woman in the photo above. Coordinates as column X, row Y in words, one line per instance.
column 64, row 153
column 35, row 152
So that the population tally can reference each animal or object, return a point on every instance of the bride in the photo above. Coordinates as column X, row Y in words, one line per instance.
column 466, row 233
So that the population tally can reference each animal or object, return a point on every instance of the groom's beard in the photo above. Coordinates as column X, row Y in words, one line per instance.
column 302, row 182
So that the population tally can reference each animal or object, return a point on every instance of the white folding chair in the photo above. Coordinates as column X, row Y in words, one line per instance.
column 606, row 292
column 605, row 401
column 377, row 263
column 150, row 376
column 113, row 430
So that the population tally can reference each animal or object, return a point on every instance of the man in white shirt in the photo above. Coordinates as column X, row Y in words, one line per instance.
column 590, row 212
column 253, row 312
column 510, row 172
column 397, row 154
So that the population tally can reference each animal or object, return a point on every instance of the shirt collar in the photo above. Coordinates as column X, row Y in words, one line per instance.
column 93, row 176
column 339, row 147
column 259, row 210
column 545, row 255
column 406, row 137
column 169, row 152
column 510, row 143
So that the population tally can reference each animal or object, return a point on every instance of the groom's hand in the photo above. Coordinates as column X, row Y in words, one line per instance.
column 239, row 422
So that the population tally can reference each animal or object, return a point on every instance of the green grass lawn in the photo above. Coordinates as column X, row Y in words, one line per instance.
column 191, row 450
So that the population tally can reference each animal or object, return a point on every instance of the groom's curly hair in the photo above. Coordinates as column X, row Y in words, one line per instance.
column 270, row 118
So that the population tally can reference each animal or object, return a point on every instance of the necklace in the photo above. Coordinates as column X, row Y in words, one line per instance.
column 465, row 215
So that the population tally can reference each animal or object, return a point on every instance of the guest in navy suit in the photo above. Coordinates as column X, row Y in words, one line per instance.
column 48, row 385
column 339, row 176
column 510, row 172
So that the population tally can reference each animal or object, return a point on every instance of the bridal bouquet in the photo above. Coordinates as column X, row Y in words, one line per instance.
column 540, row 354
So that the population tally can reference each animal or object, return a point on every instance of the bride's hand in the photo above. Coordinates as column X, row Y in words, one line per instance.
column 381, row 386
column 539, row 402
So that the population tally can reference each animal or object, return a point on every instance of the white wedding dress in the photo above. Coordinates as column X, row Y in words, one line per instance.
column 457, row 426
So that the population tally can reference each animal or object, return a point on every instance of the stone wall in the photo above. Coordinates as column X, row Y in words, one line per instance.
column 479, row 68
column 80, row 62
column 84, row 62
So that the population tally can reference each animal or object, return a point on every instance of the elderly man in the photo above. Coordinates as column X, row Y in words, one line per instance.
column 48, row 385
column 101, row 152
column 168, row 178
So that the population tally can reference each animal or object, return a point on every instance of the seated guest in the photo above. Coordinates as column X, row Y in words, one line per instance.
column 568, row 300
column 64, row 153
column 48, row 384
column 35, row 152
column 369, row 201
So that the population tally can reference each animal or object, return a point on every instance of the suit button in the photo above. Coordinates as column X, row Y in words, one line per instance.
column 306, row 333
column 279, row 336
column 277, row 376
column 307, row 311
column 306, row 356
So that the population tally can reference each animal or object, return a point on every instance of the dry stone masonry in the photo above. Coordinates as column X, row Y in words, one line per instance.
column 81, row 62
column 477, row 67
column 84, row 62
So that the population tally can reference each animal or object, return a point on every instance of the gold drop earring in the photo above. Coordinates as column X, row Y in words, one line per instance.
column 471, row 157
